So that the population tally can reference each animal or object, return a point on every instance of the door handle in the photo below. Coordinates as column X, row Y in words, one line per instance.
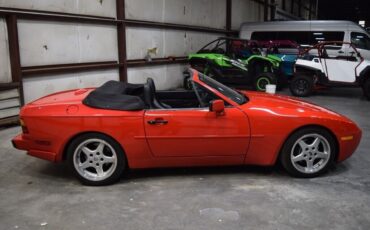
column 157, row 122
column 341, row 52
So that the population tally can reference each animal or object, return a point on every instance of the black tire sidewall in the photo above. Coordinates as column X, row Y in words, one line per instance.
column 308, row 90
column 366, row 88
column 288, row 145
column 121, row 158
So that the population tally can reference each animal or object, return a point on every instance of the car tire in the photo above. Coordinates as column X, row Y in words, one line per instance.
column 301, row 86
column 366, row 88
column 96, row 159
column 264, row 79
column 309, row 152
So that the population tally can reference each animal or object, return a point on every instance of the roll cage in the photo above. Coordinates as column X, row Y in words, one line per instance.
column 322, row 48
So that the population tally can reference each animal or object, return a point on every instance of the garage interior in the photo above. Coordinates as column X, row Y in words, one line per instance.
column 51, row 46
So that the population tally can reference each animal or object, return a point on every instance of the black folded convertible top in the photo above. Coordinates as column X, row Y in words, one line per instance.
column 116, row 95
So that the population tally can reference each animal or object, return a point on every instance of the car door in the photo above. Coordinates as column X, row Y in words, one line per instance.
column 342, row 66
column 197, row 132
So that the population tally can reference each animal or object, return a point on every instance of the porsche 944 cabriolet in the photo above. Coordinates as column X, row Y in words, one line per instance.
column 103, row 131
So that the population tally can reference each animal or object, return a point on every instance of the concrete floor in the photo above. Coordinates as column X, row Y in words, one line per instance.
column 35, row 194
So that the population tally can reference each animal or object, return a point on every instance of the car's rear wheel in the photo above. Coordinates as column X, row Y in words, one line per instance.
column 301, row 85
column 309, row 152
column 264, row 79
column 366, row 88
column 96, row 159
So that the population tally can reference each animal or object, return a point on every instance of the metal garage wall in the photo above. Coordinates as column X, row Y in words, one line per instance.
column 207, row 13
column 245, row 11
column 168, row 42
column 91, row 7
column 40, row 86
column 60, row 43
column 5, row 76
column 9, row 99
column 165, row 77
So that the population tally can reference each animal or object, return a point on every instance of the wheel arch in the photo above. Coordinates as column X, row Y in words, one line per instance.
column 305, row 127
column 69, row 141
column 364, row 75
column 255, row 62
column 306, row 70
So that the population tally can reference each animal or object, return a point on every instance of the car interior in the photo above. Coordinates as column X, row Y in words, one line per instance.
column 116, row 95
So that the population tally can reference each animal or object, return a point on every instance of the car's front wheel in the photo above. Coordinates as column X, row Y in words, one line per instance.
column 308, row 152
column 96, row 159
column 301, row 85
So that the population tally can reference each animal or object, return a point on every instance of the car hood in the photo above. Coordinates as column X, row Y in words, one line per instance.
column 287, row 106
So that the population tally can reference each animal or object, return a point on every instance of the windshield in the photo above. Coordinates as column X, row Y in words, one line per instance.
column 229, row 93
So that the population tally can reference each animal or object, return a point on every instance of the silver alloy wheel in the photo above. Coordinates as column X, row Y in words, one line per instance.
column 310, row 153
column 95, row 159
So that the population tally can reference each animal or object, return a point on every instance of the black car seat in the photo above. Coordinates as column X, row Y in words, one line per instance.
column 150, row 96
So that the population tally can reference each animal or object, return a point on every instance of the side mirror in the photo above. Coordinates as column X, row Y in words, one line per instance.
column 217, row 106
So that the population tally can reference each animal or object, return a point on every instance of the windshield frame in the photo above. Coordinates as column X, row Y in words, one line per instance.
column 231, row 94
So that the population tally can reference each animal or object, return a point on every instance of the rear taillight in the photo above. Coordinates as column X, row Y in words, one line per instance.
column 23, row 125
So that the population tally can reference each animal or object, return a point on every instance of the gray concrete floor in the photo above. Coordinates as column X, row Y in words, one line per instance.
column 34, row 192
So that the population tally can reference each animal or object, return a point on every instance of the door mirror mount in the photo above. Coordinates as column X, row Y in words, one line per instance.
column 217, row 106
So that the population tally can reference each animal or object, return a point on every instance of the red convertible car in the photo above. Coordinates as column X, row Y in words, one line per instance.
column 101, row 132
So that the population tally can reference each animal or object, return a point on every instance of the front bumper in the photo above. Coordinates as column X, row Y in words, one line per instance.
column 33, row 148
column 349, row 146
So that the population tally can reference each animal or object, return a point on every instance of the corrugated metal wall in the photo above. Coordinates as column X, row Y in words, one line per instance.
column 51, row 42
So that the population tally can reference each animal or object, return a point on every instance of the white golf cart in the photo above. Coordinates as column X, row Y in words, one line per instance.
column 330, row 64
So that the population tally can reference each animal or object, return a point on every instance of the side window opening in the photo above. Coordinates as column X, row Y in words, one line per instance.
column 205, row 96
column 360, row 40
column 303, row 38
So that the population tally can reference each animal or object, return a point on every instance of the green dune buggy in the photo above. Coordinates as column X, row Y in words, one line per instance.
column 236, row 62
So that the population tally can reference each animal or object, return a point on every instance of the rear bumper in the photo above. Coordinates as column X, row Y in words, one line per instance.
column 33, row 148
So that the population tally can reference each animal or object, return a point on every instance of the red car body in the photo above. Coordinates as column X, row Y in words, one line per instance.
column 252, row 133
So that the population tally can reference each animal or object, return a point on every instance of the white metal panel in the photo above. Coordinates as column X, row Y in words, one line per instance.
column 50, row 5
column 168, row 42
column 97, row 43
column 9, row 94
column 95, row 7
column 245, row 11
column 210, row 13
column 105, row 8
column 165, row 77
column 139, row 40
column 9, row 103
column 97, row 78
column 5, row 74
column 4, row 113
column 37, row 87
column 153, row 10
column 46, row 43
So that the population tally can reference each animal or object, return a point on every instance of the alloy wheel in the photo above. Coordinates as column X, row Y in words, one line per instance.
column 310, row 153
column 95, row 159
